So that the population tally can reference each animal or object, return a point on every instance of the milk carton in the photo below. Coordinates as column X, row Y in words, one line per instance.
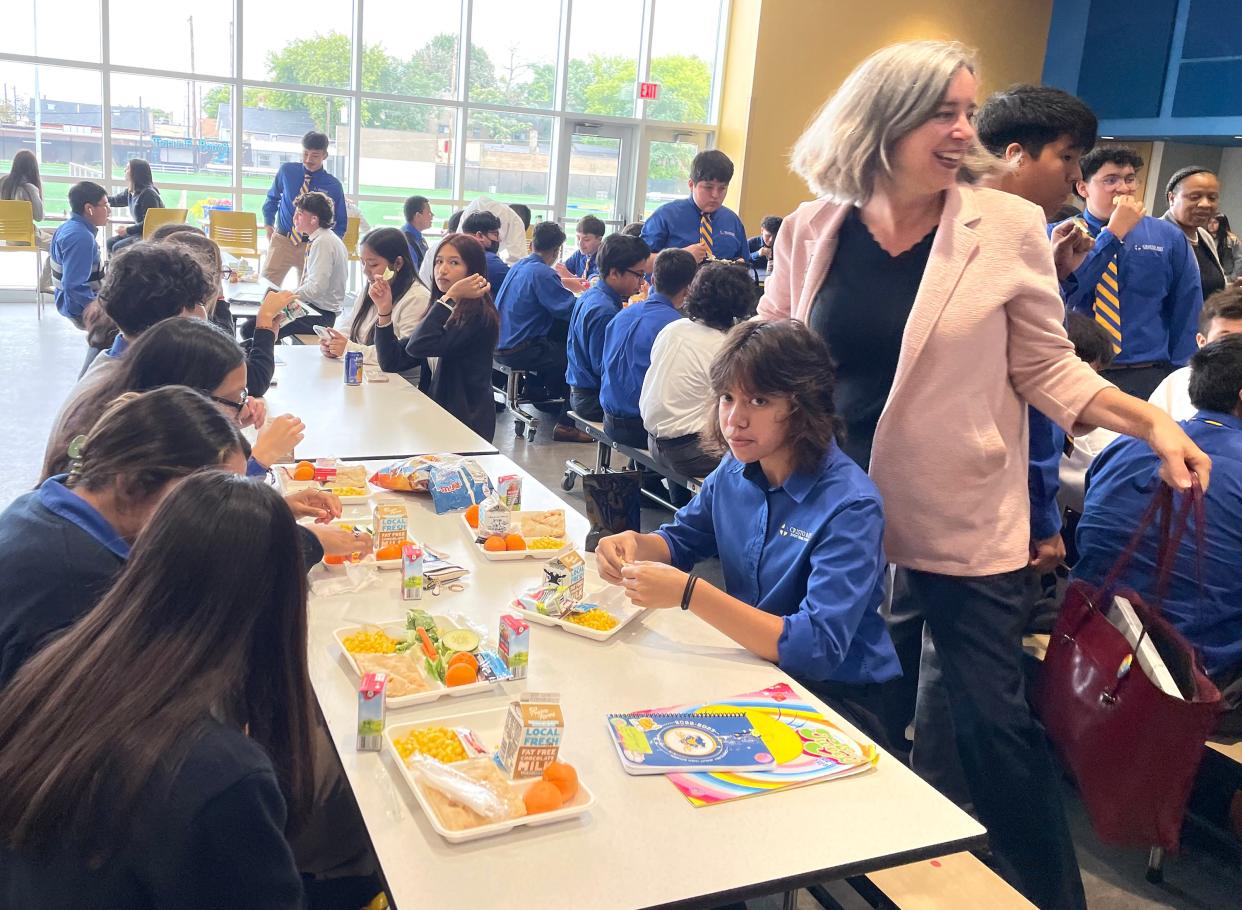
column 513, row 644
column 567, row 571
column 532, row 737
column 371, row 711
column 412, row 580
column 391, row 525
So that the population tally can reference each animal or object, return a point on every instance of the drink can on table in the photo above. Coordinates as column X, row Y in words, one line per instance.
column 353, row 368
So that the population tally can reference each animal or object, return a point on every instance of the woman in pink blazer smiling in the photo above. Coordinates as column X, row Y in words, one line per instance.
column 939, row 303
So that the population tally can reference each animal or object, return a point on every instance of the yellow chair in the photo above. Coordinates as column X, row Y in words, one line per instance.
column 157, row 217
column 352, row 227
column 236, row 233
column 18, row 235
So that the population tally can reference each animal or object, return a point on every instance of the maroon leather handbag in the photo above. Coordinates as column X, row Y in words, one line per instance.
column 1132, row 748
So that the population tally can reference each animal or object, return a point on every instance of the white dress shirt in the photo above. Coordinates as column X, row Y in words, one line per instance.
column 676, row 396
column 326, row 271
column 1173, row 395
column 513, row 246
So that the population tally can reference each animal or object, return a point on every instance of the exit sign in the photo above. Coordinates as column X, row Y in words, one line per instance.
column 648, row 91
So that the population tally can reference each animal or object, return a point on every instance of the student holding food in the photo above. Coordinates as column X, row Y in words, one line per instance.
column 459, row 332
column 173, row 778
column 804, row 580
column 391, row 276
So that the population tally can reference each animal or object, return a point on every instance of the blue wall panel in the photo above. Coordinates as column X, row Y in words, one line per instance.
column 1210, row 88
column 1213, row 29
column 1125, row 57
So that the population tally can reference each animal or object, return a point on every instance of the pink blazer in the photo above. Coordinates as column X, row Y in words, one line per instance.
column 985, row 336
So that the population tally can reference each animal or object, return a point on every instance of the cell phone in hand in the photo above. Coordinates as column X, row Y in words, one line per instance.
column 322, row 332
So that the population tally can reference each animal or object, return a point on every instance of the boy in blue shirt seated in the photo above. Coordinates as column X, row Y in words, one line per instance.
column 1121, row 482
column 621, row 263
column 583, row 263
column 485, row 228
column 797, row 525
column 700, row 224
column 75, row 263
column 535, row 309
column 628, row 341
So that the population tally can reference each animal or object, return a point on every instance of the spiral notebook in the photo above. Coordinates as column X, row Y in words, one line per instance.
column 667, row 743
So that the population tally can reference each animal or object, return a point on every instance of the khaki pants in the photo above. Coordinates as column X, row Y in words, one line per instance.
column 283, row 254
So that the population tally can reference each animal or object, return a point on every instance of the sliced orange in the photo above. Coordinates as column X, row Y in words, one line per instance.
column 460, row 675
column 464, row 657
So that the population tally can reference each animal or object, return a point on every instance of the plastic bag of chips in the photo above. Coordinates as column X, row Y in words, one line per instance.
column 458, row 485
column 409, row 475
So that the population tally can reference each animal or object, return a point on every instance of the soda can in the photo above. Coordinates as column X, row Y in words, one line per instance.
column 353, row 368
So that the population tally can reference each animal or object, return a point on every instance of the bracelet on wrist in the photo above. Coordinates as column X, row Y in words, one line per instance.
column 688, row 593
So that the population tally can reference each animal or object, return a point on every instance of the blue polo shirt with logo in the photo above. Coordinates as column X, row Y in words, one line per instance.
column 676, row 225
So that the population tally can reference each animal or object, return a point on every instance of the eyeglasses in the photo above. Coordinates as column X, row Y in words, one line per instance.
column 638, row 273
column 228, row 402
column 1113, row 180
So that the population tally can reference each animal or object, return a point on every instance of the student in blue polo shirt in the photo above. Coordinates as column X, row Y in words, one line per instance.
column 584, row 261
column 1207, row 608
column 628, row 341
column 535, row 309
column 286, row 249
column 621, row 263
column 485, row 227
column 1140, row 281
column 418, row 218
column 74, row 255
column 700, row 224
column 797, row 525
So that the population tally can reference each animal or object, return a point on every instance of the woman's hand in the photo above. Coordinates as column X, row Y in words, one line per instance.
column 277, row 440
column 653, row 585
column 334, row 345
column 468, row 288
column 613, row 553
column 1179, row 456
column 317, row 504
column 253, row 413
column 336, row 541
column 380, row 292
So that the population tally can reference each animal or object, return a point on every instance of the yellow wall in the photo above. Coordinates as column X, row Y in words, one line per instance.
column 803, row 49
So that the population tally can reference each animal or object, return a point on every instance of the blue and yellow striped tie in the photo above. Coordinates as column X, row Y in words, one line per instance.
column 705, row 232
column 1108, row 304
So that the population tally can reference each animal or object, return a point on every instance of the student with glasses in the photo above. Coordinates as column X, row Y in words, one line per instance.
column 1140, row 280
column 621, row 262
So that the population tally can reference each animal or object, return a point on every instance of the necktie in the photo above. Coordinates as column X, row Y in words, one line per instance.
column 306, row 178
column 705, row 233
column 586, row 267
column 1108, row 304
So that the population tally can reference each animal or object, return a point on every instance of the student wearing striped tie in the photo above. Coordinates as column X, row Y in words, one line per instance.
column 286, row 248
column 1140, row 281
column 700, row 224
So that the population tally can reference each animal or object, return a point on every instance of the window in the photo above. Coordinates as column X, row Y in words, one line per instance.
column 303, row 43
column 508, row 157
column 273, row 124
column 407, row 149
column 39, row 28
column 668, row 169
column 195, row 36
column 513, row 52
column 395, row 63
column 684, row 44
column 603, row 57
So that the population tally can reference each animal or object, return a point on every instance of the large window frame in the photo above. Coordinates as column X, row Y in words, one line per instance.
column 563, row 120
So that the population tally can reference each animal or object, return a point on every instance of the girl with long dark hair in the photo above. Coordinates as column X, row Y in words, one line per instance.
column 156, row 753
column 458, row 336
column 1228, row 246
column 23, row 183
column 139, row 195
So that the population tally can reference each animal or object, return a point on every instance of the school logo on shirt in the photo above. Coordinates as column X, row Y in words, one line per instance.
column 786, row 531
column 1149, row 247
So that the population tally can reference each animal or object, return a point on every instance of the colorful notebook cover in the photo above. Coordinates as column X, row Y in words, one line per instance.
column 663, row 743
column 826, row 751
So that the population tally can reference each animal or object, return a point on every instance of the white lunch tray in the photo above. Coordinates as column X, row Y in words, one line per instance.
column 603, row 595
column 472, row 535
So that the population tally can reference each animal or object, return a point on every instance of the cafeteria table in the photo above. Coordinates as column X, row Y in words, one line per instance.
column 642, row 844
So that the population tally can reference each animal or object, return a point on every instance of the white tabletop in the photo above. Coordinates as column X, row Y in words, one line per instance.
column 643, row 844
column 374, row 420
column 244, row 297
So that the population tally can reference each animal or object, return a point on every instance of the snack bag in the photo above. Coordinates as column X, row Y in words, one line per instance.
column 409, row 475
column 455, row 487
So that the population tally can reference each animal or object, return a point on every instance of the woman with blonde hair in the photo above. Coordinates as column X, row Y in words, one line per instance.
column 939, row 303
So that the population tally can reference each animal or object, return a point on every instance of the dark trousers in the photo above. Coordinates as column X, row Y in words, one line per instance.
column 976, row 626
column 546, row 358
column 120, row 241
column 585, row 403
column 683, row 455
column 629, row 431
column 1138, row 381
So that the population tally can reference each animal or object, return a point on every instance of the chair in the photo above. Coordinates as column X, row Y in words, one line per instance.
column 156, row 217
column 352, row 227
column 19, row 235
column 236, row 233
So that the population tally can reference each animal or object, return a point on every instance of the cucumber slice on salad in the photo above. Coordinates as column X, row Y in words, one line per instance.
column 459, row 640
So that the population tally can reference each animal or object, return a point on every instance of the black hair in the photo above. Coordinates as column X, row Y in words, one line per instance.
column 1033, row 116
column 1224, row 304
column 523, row 212
column 389, row 244
column 711, row 164
column 318, row 204
column 140, row 176
column 674, row 270
column 771, row 224
column 549, row 236
column 720, row 294
column 480, row 222
column 415, row 205
column 1216, row 375
column 315, row 141
column 150, row 281
column 83, row 194
column 1108, row 154
column 164, row 231
column 621, row 252
column 24, row 170
column 589, row 224
column 453, row 221
column 1091, row 343
column 633, row 229
column 1182, row 173
column 1067, row 210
